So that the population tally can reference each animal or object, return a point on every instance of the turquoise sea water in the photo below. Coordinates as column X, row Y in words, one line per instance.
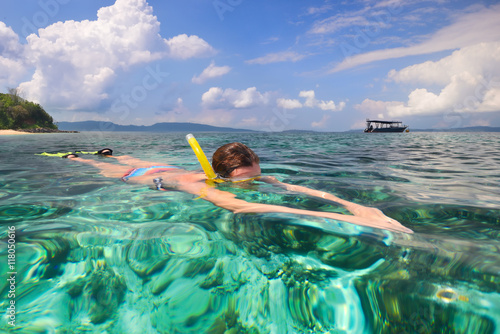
column 96, row 255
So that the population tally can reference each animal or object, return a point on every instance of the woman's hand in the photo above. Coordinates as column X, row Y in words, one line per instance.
column 376, row 217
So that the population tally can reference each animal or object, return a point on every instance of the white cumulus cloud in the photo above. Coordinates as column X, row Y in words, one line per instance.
column 184, row 47
column 211, row 72
column 9, row 42
column 12, row 66
column 469, row 81
column 76, row 63
column 312, row 102
column 288, row 103
column 217, row 97
column 310, row 97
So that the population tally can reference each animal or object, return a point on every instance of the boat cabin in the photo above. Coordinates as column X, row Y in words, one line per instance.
column 384, row 126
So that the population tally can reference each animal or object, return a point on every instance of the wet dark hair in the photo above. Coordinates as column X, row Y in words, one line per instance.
column 231, row 156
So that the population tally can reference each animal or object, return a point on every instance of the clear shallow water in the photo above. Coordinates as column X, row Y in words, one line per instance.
column 95, row 255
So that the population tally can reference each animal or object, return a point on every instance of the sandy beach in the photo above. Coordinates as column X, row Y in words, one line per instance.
column 13, row 132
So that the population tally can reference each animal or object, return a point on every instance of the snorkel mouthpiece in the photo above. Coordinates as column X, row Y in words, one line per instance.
column 202, row 158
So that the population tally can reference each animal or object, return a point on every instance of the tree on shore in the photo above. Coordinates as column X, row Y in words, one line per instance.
column 17, row 113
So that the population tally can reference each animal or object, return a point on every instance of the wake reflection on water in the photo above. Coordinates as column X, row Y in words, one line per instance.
column 96, row 255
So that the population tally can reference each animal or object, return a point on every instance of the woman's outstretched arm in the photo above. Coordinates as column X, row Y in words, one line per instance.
column 356, row 209
column 229, row 201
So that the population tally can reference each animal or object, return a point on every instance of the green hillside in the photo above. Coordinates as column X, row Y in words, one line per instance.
column 16, row 113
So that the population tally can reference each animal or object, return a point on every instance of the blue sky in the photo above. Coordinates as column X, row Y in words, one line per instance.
column 264, row 65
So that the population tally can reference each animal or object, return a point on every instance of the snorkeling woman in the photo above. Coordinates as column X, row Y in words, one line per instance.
column 233, row 162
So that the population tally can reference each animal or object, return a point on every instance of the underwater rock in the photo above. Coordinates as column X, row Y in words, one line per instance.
column 55, row 254
column 146, row 257
column 422, row 307
column 107, row 291
column 197, row 267
column 214, row 279
column 229, row 324
column 292, row 272
column 173, row 271
column 102, row 289
column 349, row 254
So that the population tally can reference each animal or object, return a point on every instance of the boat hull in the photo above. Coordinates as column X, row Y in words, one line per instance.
column 394, row 129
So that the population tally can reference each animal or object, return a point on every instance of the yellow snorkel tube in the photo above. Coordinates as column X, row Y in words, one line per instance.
column 202, row 158
column 207, row 168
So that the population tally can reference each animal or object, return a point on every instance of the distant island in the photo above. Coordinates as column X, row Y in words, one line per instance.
column 465, row 129
column 195, row 127
column 158, row 127
column 19, row 114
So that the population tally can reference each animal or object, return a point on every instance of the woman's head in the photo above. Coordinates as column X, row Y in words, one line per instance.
column 235, row 160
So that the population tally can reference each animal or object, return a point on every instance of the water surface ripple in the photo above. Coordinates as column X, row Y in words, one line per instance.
column 95, row 255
